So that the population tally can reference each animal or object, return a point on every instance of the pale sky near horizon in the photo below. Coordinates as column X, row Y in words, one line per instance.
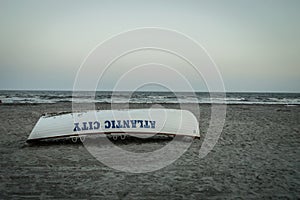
column 255, row 43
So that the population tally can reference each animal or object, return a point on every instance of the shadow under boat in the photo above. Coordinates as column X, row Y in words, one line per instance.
column 108, row 139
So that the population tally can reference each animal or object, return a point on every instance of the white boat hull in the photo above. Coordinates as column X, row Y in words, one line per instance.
column 138, row 122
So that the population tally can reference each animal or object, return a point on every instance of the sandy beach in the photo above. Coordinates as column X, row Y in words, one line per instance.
column 257, row 156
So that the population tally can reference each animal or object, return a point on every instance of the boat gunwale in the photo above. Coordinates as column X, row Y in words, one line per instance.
column 109, row 133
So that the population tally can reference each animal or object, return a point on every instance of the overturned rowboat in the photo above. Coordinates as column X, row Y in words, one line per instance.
column 133, row 122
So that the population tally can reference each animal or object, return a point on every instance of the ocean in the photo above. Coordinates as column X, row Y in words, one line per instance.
column 39, row 97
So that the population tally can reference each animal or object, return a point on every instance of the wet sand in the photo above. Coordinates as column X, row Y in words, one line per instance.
column 257, row 156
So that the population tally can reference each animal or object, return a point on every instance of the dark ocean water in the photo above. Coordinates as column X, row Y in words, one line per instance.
column 13, row 97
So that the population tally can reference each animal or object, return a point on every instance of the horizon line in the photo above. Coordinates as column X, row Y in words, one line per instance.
column 199, row 91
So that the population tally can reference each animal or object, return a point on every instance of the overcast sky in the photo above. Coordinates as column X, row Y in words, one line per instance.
column 255, row 43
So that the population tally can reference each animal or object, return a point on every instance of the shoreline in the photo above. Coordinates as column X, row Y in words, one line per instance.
column 205, row 104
